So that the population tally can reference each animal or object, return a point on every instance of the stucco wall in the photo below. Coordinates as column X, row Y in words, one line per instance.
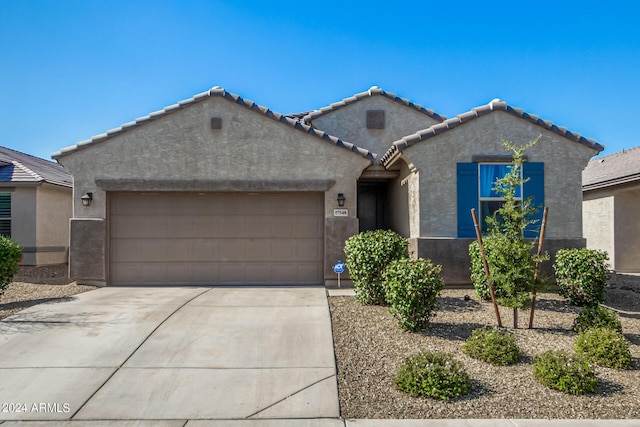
column 627, row 231
column 23, row 221
column 404, row 202
column 598, row 213
column 182, row 148
column 350, row 123
column 436, row 160
column 52, row 232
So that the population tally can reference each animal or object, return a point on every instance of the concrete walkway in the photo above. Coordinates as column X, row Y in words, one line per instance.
column 195, row 357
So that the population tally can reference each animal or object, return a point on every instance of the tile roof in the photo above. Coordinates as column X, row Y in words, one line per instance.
column 373, row 91
column 218, row 92
column 20, row 167
column 495, row 105
column 614, row 169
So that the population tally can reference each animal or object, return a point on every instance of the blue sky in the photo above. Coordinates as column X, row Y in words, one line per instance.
column 73, row 69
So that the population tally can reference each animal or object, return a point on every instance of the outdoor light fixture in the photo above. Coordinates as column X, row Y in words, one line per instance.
column 86, row 199
column 341, row 199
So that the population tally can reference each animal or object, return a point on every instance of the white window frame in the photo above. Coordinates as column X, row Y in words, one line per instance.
column 481, row 199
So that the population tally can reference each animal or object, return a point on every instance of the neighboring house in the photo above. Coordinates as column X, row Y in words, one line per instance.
column 217, row 189
column 611, row 202
column 35, row 206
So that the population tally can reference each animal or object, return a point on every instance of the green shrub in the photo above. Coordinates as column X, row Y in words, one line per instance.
column 564, row 372
column 512, row 269
column 596, row 317
column 604, row 347
column 433, row 374
column 581, row 275
column 411, row 289
column 10, row 256
column 492, row 346
column 368, row 255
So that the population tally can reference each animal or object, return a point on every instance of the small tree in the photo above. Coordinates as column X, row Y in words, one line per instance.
column 510, row 256
column 10, row 256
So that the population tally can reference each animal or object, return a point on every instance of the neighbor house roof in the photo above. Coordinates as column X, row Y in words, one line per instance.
column 495, row 105
column 216, row 91
column 614, row 169
column 373, row 91
column 17, row 167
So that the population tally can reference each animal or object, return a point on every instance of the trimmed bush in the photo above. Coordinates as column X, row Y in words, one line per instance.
column 567, row 373
column 596, row 317
column 10, row 256
column 368, row 255
column 493, row 346
column 512, row 270
column 605, row 347
column 433, row 374
column 581, row 275
column 411, row 290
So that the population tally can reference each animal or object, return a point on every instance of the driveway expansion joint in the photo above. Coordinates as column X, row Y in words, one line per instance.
column 134, row 352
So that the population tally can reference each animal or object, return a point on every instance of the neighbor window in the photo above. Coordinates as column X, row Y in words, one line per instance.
column 490, row 200
column 5, row 214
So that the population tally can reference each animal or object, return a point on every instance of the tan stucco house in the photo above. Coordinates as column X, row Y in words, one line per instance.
column 217, row 189
column 611, row 202
column 35, row 206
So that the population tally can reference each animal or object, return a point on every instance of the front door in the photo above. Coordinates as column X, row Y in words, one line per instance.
column 372, row 205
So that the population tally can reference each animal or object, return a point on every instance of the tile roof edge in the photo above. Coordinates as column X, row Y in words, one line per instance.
column 220, row 92
column 30, row 172
column 597, row 185
column 373, row 91
column 474, row 113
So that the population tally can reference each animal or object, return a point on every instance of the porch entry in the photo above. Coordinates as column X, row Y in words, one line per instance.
column 373, row 205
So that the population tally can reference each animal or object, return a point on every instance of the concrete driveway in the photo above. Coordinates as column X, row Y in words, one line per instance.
column 171, row 354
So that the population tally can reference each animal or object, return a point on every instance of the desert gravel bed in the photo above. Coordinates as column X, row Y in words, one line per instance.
column 370, row 348
column 36, row 285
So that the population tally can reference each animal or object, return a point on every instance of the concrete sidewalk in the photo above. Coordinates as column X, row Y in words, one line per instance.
column 171, row 353
column 329, row 423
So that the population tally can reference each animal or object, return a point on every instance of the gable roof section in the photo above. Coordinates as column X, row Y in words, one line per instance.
column 17, row 167
column 461, row 119
column 216, row 91
column 373, row 91
column 614, row 169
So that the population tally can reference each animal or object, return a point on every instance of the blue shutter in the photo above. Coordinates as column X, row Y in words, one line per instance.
column 534, row 171
column 467, row 175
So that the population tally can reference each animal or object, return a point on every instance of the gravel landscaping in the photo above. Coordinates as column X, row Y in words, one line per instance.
column 370, row 348
column 35, row 285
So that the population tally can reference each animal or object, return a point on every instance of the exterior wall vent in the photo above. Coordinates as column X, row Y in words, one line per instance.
column 375, row 119
column 216, row 122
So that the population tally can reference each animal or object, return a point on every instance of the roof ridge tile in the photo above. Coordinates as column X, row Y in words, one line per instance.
column 218, row 92
column 373, row 91
column 494, row 105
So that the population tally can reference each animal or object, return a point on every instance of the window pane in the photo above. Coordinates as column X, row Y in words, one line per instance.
column 487, row 209
column 5, row 205
column 489, row 174
column 5, row 227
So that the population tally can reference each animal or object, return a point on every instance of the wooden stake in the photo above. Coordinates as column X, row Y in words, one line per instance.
column 486, row 266
column 537, row 272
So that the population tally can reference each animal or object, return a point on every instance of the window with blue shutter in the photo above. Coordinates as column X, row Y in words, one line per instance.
column 534, row 172
column 467, row 184
column 475, row 190
column 5, row 214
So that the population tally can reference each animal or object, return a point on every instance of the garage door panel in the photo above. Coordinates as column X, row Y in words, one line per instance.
column 183, row 238
column 309, row 226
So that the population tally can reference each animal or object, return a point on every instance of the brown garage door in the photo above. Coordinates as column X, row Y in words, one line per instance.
column 216, row 238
